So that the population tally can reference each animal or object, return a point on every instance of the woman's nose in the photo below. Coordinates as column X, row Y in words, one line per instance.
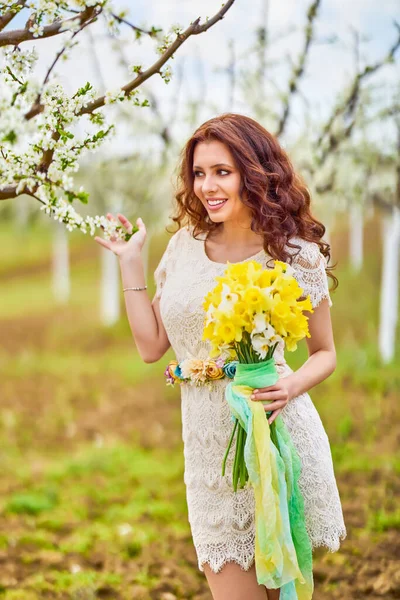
column 209, row 184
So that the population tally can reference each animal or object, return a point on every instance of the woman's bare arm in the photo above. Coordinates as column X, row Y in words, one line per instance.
column 320, row 364
column 321, row 360
column 143, row 315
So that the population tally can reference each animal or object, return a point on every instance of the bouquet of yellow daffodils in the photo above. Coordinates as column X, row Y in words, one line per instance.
column 248, row 313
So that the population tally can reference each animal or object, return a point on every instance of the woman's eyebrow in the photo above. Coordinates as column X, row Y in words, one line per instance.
column 213, row 166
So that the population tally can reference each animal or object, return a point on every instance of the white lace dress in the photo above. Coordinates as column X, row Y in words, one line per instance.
column 221, row 520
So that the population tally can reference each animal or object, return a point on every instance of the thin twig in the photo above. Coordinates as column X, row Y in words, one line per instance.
column 298, row 70
column 349, row 104
column 150, row 32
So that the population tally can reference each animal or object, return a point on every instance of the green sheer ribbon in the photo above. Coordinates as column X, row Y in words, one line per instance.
column 283, row 553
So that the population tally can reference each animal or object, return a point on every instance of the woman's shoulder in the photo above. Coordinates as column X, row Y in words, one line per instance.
column 180, row 234
column 305, row 254
column 177, row 244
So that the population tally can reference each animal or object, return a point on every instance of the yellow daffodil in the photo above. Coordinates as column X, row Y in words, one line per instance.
column 305, row 304
column 241, row 308
column 253, row 296
column 265, row 278
column 208, row 331
column 228, row 331
column 213, row 297
column 281, row 310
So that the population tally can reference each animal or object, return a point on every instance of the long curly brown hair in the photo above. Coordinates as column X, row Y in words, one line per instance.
column 277, row 196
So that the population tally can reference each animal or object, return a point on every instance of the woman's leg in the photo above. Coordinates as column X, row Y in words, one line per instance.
column 273, row 594
column 234, row 583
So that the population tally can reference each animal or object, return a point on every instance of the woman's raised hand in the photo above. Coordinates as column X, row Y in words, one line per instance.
column 130, row 249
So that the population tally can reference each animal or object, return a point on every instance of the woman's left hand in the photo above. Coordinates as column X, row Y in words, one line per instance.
column 280, row 393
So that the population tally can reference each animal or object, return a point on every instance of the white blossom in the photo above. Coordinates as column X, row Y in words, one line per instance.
column 112, row 96
column 36, row 30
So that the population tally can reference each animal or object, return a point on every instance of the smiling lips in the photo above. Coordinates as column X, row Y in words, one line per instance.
column 215, row 203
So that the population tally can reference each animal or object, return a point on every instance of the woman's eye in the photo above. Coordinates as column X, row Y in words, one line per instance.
column 222, row 172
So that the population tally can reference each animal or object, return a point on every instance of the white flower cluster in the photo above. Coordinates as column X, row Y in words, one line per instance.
column 112, row 96
column 44, row 12
column 61, row 107
column 176, row 29
column 19, row 62
column 167, row 39
column 39, row 146
column 65, row 213
column 165, row 43
column 25, row 141
column 21, row 164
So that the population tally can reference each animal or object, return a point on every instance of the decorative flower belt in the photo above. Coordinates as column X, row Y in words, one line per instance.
column 196, row 371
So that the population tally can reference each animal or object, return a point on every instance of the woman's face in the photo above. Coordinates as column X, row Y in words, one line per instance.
column 216, row 178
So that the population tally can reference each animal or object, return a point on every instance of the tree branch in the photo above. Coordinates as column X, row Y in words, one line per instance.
column 193, row 29
column 298, row 69
column 15, row 37
column 8, row 16
column 350, row 103
column 10, row 191
column 151, row 32
column 37, row 107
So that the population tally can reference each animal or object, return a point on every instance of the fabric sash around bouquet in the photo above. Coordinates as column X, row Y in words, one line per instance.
column 283, row 553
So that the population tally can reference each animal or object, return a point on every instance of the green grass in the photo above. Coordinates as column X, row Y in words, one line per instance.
column 383, row 521
column 128, row 367
column 110, row 500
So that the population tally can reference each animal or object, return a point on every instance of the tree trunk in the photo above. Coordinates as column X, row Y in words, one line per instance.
column 60, row 264
column 110, row 280
column 110, row 287
column 389, row 286
column 356, row 231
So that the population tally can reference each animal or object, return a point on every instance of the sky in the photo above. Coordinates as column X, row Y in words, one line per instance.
column 204, row 58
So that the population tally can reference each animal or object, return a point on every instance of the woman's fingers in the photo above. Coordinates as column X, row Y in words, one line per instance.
column 111, row 218
column 125, row 222
column 272, row 418
column 274, row 405
column 267, row 395
column 102, row 242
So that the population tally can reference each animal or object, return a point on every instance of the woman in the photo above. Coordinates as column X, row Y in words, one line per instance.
column 239, row 199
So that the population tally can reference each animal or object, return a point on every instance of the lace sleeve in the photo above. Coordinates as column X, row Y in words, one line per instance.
column 160, row 274
column 310, row 271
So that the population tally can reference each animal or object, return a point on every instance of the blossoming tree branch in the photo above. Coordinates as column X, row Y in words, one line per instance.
column 39, row 147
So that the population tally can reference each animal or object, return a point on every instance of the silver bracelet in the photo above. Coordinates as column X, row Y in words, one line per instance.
column 135, row 288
